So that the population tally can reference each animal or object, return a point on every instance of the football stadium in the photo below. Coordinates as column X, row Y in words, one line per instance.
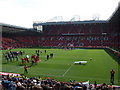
column 64, row 55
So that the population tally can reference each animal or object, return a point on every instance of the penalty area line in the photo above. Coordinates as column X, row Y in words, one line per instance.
column 67, row 70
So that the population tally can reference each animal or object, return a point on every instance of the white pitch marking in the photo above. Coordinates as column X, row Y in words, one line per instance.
column 67, row 70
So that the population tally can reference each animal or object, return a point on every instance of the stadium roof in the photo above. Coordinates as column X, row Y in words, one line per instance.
column 3, row 24
column 13, row 29
column 116, row 15
column 70, row 22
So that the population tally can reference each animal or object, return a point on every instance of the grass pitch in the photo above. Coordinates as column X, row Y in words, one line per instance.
column 62, row 68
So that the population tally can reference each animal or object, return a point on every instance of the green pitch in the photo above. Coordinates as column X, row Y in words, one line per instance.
column 61, row 67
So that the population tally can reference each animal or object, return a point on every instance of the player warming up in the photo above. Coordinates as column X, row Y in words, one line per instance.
column 25, row 69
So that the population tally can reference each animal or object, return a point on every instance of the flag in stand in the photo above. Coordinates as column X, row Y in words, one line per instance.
column 10, row 74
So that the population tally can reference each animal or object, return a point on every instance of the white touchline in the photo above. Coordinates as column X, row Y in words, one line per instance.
column 67, row 70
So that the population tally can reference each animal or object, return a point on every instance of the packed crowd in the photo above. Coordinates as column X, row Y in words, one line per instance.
column 23, row 83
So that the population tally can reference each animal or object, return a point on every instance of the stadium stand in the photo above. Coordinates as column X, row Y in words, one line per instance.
column 82, row 33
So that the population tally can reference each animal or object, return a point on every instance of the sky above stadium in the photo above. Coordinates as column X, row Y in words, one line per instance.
column 24, row 12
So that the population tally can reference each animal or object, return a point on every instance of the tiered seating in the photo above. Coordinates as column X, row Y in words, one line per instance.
column 59, row 41
column 116, row 42
column 75, row 40
column 9, row 43
column 27, row 41
column 59, row 36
